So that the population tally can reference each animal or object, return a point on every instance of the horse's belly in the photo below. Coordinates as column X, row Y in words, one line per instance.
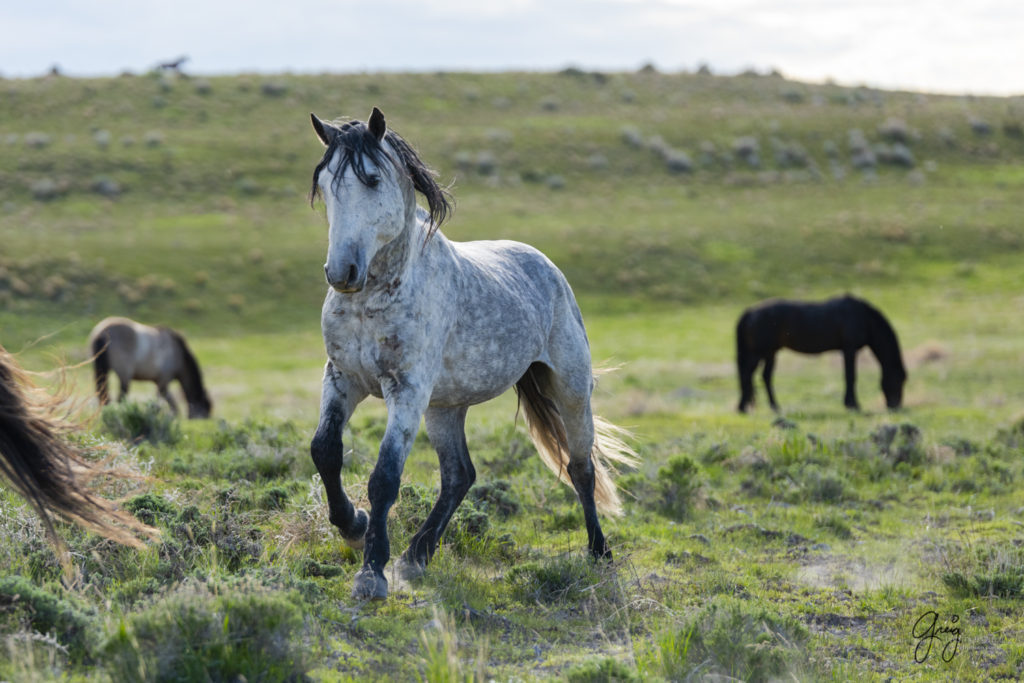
column 473, row 376
column 150, row 361
column 469, row 388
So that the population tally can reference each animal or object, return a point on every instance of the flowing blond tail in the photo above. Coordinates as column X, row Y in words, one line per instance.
column 548, row 434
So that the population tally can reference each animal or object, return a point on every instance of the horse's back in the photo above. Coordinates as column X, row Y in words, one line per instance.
column 804, row 326
column 518, row 281
column 135, row 350
column 515, row 308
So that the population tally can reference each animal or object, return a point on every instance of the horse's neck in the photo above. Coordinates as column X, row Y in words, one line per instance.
column 402, row 253
column 882, row 341
column 191, row 384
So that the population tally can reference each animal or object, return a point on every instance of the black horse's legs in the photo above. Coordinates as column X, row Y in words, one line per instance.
column 850, row 365
column 337, row 402
column 747, row 366
column 766, row 374
column 404, row 411
column 446, row 429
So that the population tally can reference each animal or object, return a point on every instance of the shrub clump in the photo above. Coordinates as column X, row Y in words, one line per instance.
column 900, row 443
column 198, row 636
column 23, row 604
column 563, row 579
column 150, row 508
column 734, row 639
column 607, row 670
column 985, row 572
column 136, row 422
column 677, row 486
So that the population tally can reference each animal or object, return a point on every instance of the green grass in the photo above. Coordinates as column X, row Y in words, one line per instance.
column 750, row 547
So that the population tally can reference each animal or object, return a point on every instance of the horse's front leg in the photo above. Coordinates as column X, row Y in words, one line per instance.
column 405, row 406
column 337, row 402
column 766, row 374
column 850, row 367
column 164, row 389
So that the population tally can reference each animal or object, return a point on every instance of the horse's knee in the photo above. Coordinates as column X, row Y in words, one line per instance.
column 382, row 486
column 326, row 451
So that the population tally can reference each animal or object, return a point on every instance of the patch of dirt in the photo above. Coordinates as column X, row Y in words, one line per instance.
column 852, row 573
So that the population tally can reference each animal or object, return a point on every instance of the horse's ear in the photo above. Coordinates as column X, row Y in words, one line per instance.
column 377, row 124
column 324, row 131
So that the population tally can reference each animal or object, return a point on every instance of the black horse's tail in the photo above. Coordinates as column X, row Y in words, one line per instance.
column 101, row 366
column 47, row 469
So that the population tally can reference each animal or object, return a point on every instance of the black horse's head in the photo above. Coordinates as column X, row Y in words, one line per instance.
column 200, row 408
column 892, row 387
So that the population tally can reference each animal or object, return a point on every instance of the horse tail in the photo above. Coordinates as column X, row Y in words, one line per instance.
column 547, row 430
column 101, row 365
column 47, row 469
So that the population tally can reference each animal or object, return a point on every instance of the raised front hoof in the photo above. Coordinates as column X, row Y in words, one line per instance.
column 410, row 570
column 368, row 585
column 356, row 537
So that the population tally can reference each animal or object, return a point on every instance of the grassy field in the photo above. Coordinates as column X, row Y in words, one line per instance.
column 819, row 544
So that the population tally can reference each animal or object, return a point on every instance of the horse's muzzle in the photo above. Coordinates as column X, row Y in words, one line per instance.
column 349, row 282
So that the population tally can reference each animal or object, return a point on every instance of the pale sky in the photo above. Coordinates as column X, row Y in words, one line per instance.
column 952, row 46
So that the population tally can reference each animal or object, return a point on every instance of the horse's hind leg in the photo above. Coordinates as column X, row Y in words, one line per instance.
column 570, row 394
column 446, row 428
column 746, row 368
column 766, row 375
column 337, row 402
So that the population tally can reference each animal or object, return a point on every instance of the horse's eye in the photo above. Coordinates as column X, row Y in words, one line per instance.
column 373, row 180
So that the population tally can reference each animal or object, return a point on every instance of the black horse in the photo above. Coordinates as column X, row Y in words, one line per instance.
column 844, row 323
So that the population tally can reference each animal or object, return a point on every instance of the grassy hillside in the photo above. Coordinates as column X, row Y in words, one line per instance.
column 751, row 547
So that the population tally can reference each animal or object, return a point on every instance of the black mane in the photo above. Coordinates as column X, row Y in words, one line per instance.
column 191, row 377
column 357, row 143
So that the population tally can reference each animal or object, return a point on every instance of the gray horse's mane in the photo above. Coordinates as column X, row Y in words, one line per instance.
column 357, row 143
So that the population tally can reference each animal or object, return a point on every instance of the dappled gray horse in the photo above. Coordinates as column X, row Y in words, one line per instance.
column 433, row 327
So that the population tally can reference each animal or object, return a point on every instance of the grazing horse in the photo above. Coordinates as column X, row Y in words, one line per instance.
column 46, row 468
column 433, row 327
column 844, row 323
column 158, row 354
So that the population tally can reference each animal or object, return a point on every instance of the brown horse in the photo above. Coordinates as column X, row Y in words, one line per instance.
column 47, row 469
column 158, row 354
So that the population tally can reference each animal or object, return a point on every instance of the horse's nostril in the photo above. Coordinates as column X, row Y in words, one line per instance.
column 352, row 274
